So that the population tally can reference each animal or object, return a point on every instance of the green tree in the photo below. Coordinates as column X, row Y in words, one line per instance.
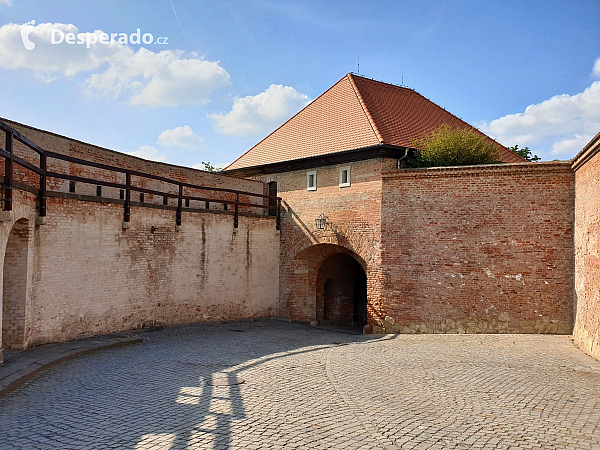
column 448, row 146
column 210, row 168
column 525, row 153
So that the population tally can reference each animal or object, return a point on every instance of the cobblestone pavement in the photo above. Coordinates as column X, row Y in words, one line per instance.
column 311, row 388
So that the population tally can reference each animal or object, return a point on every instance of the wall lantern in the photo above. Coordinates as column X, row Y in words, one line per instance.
column 321, row 222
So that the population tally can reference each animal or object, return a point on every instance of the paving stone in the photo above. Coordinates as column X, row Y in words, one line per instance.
column 304, row 390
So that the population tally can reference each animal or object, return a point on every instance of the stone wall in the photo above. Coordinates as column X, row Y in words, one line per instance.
column 478, row 249
column 587, row 248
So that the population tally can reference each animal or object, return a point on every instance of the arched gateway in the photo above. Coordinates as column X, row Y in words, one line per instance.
column 328, row 283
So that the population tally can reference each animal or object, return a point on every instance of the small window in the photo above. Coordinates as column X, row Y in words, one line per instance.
column 311, row 181
column 345, row 177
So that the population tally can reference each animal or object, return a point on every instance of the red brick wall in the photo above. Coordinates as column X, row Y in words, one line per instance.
column 479, row 249
column 587, row 249
column 353, row 228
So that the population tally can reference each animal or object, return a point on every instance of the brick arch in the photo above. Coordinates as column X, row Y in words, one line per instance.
column 15, row 284
column 335, row 235
column 303, row 278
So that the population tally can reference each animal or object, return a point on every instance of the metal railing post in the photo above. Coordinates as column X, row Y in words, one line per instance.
column 8, row 173
column 42, row 193
column 235, row 214
column 179, row 206
column 127, row 207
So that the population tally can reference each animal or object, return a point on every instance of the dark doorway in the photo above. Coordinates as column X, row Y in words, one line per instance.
column 342, row 292
column 360, row 299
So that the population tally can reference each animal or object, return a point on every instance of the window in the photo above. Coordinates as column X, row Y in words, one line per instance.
column 311, row 181
column 344, row 176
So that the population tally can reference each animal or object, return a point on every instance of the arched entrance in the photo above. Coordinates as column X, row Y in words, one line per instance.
column 304, row 275
column 342, row 291
column 14, row 287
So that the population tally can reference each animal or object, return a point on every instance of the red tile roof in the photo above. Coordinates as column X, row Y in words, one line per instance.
column 355, row 112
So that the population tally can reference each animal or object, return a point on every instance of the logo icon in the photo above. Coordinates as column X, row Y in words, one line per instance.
column 25, row 32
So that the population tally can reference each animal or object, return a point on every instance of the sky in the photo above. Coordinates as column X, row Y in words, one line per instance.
column 526, row 72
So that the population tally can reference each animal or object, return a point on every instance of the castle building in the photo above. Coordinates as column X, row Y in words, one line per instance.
column 319, row 222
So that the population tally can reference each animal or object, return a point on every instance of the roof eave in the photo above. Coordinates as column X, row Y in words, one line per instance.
column 345, row 156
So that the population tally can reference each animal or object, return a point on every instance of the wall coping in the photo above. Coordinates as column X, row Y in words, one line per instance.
column 115, row 201
column 587, row 153
column 465, row 171
column 122, row 154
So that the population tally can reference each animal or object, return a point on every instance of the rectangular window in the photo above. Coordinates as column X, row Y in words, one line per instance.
column 344, row 176
column 311, row 181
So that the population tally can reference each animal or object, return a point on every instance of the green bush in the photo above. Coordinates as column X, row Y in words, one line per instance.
column 452, row 147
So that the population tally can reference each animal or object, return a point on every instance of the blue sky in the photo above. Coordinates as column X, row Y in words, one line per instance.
column 526, row 72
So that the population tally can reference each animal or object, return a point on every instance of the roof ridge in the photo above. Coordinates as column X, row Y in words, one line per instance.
column 396, row 86
column 364, row 107
column 484, row 135
column 284, row 123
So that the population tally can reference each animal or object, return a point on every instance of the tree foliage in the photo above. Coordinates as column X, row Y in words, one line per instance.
column 525, row 153
column 448, row 146
column 210, row 168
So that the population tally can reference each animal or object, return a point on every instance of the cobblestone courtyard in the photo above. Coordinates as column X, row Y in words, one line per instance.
column 311, row 388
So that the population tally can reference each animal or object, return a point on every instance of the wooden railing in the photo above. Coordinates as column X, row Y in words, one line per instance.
column 273, row 206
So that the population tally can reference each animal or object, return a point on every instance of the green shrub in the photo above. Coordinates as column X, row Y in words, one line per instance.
column 452, row 147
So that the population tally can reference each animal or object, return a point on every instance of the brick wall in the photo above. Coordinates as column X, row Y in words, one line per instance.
column 587, row 248
column 83, row 274
column 14, row 286
column 479, row 249
column 353, row 228
column 476, row 249
column 92, row 277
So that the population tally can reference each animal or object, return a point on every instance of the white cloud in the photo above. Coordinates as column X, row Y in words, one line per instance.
column 262, row 112
column 596, row 70
column 6, row 2
column 180, row 137
column 166, row 78
column 148, row 152
column 570, row 146
column 182, row 82
column 557, row 126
